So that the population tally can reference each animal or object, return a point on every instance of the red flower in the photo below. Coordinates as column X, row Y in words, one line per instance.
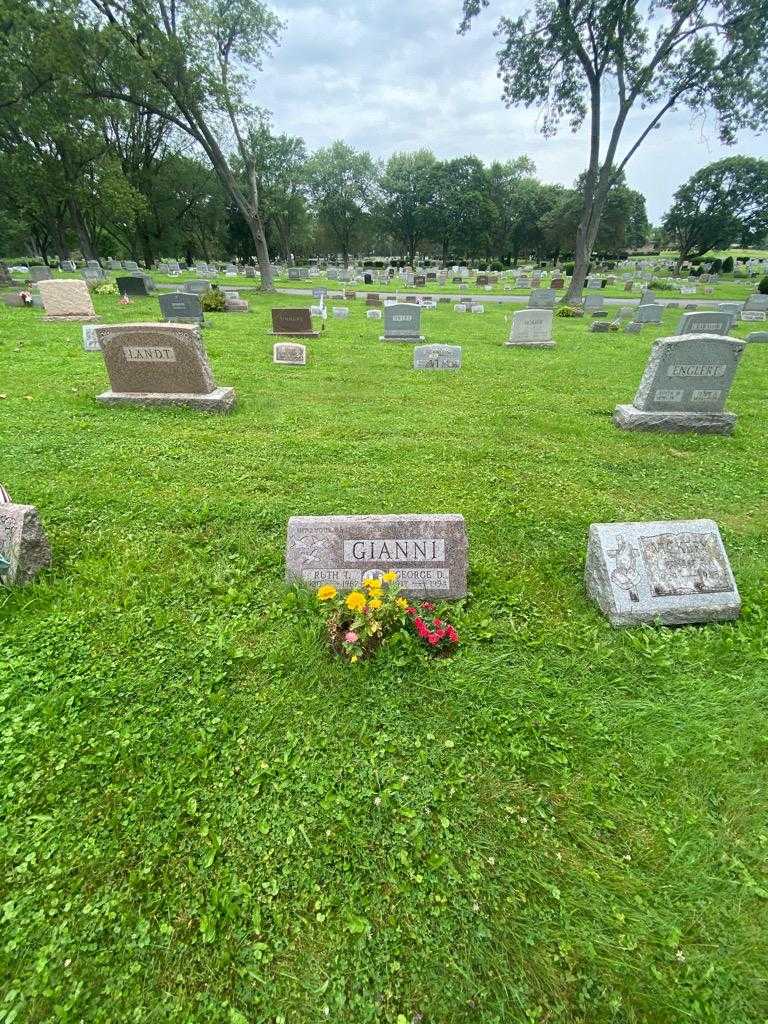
column 453, row 636
column 433, row 639
column 427, row 606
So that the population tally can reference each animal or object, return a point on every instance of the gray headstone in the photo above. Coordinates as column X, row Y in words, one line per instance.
column 593, row 302
column 160, row 364
column 542, row 298
column 68, row 266
column 753, row 315
column 428, row 552
column 757, row 337
column 685, row 386
column 132, row 286
column 24, row 547
column 670, row 573
column 648, row 313
column 437, row 357
column 90, row 339
column 40, row 274
column 181, row 307
column 531, row 328
column 402, row 322
column 289, row 353
column 707, row 322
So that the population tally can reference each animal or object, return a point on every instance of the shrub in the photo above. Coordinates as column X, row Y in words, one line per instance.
column 212, row 301
column 105, row 288
column 568, row 269
column 716, row 266
column 567, row 311
column 497, row 266
column 656, row 285
column 728, row 265
column 763, row 286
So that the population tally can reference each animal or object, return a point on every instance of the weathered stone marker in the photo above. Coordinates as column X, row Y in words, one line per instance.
column 181, row 307
column 293, row 323
column 437, row 357
column 542, row 298
column 428, row 552
column 135, row 286
column 291, row 354
column 66, row 300
column 402, row 322
column 685, row 386
column 531, row 328
column 670, row 573
column 707, row 322
column 24, row 547
column 90, row 339
column 160, row 364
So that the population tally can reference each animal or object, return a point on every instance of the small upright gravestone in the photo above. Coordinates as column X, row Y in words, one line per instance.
column 90, row 339
column 68, row 266
column 707, row 322
column 428, row 552
column 685, row 387
column 437, row 357
column 293, row 323
column 665, row 573
column 66, row 300
column 757, row 337
column 531, row 328
column 542, row 298
column 24, row 547
column 133, row 287
column 402, row 322
column 289, row 353
column 160, row 364
column 37, row 274
column 594, row 303
column 197, row 287
column 181, row 308
column 648, row 313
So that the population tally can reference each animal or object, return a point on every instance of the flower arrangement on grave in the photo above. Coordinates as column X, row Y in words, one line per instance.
column 360, row 621
column 26, row 298
column 124, row 300
column 567, row 311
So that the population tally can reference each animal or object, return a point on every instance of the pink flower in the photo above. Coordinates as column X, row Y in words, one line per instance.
column 433, row 639
column 351, row 637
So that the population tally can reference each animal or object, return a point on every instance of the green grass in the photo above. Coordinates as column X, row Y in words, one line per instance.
column 207, row 820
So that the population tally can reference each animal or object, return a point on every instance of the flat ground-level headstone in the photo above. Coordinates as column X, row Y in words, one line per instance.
column 706, row 322
column 670, row 573
column 402, row 322
column 685, row 386
column 437, row 357
column 293, row 323
column 753, row 315
column 160, row 364
column 531, row 328
column 66, row 300
column 757, row 337
column 24, row 547
column 428, row 552
column 290, row 353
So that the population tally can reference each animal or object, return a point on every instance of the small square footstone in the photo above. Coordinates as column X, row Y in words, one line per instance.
column 753, row 315
column 90, row 339
column 291, row 354
column 428, row 552
column 181, row 307
column 633, row 328
column 340, row 312
column 293, row 323
column 668, row 573
column 685, row 387
column 66, row 301
column 601, row 327
column 757, row 337
column 24, row 547
column 707, row 322
column 531, row 328
column 402, row 322
column 437, row 357
column 374, row 314
column 160, row 364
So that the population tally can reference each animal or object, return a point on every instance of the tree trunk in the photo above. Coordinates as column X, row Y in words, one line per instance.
column 78, row 222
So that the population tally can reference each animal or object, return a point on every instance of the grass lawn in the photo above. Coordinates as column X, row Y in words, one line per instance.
column 206, row 820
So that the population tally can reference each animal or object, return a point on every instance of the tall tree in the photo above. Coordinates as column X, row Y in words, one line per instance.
column 463, row 210
column 342, row 183
column 190, row 62
column 568, row 56
column 407, row 197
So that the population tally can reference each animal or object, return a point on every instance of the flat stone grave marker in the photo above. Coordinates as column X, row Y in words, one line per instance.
column 704, row 322
column 181, row 307
column 24, row 547
column 594, row 282
column 633, row 328
column 753, row 315
column 160, row 364
column 437, row 357
column 373, row 299
column 374, row 314
column 669, row 573
column 685, row 386
column 90, row 339
column 293, row 323
column 131, row 265
column 477, row 307
column 428, row 552
column 756, row 301
column 648, row 313
column 542, row 298
column 531, row 328
column 289, row 353
column 66, row 300
column 132, row 286
column 402, row 322
column 340, row 312
column 757, row 337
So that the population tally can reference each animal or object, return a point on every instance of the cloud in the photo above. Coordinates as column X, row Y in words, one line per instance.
column 386, row 76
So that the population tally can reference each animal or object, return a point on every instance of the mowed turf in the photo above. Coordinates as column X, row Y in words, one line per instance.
column 207, row 820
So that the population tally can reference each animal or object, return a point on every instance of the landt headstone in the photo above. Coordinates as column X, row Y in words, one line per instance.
column 160, row 364
column 531, row 328
column 402, row 322
column 293, row 323
column 289, row 353
column 685, row 386
column 437, row 357
column 66, row 300
column 669, row 573
column 428, row 552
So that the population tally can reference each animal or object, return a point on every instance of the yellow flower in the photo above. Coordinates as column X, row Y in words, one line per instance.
column 401, row 602
column 353, row 659
column 355, row 601
column 326, row 593
column 375, row 603
column 372, row 583
column 375, row 627
column 389, row 577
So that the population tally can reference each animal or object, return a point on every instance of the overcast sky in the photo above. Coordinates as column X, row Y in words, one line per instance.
column 389, row 75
